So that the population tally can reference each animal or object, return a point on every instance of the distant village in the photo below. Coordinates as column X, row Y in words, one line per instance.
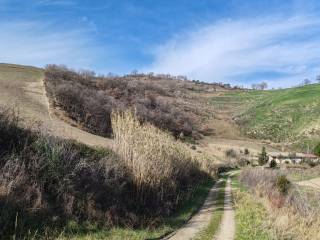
column 292, row 158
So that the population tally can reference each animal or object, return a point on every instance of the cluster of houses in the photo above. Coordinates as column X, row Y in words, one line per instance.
column 293, row 158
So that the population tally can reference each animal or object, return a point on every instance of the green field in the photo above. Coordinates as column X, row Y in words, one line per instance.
column 286, row 115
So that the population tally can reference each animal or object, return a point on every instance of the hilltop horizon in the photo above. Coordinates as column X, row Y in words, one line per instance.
column 213, row 41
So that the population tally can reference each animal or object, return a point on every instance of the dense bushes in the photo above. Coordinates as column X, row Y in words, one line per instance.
column 89, row 100
column 46, row 181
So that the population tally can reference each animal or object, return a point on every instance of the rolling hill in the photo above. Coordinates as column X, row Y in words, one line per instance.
column 285, row 116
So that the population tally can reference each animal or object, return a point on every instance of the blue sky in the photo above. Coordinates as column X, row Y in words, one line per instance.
column 240, row 42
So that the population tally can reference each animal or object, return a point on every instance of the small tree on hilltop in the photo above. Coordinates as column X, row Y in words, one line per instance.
column 263, row 157
column 306, row 82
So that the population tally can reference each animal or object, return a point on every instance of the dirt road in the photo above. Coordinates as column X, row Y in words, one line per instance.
column 200, row 220
column 314, row 183
column 227, row 227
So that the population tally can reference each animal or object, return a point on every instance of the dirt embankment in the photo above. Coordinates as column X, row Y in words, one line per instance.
column 22, row 87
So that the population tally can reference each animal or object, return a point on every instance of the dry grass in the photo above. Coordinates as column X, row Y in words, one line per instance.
column 161, row 166
column 294, row 212
column 49, row 181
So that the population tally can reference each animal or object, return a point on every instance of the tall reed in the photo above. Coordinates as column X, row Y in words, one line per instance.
column 161, row 166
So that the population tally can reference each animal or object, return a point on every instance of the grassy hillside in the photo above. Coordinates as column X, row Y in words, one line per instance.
column 288, row 116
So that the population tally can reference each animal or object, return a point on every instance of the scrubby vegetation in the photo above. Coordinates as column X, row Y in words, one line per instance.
column 302, row 172
column 294, row 211
column 45, row 182
column 89, row 100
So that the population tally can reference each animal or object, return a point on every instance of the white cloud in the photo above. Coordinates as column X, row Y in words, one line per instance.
column 226, row 50
column 35, row 43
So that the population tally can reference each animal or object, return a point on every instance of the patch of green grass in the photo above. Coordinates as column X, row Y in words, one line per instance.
column 290, row 115
column 251, row 216
column 168, row 225
column 235, row 184
column 216, row 216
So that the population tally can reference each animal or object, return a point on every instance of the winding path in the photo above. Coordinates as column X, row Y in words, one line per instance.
column 200, row 220
column 227, row 227
column 314, row 183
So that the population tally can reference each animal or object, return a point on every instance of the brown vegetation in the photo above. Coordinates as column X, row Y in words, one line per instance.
column 89, row 99
column 295, row 211
column 161, row 166
column 46, row 181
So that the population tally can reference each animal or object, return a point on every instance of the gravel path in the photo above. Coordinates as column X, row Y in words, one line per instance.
column 227, row 227
column 200, row 220
column 314, row 183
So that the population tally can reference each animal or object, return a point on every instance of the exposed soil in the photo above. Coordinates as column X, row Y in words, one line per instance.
column 27, row 93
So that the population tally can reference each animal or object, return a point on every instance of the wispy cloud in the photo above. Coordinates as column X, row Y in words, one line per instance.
column 34, row 43
column 56, row 2
column 242, row 51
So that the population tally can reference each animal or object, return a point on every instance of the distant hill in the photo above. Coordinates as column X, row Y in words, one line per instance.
column 289, row 116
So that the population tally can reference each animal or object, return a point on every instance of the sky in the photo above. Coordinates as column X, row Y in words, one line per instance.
column 235, row 41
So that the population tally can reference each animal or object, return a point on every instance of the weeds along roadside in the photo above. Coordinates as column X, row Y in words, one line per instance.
column 294, row 212
column 46, row 181
column 252, row 218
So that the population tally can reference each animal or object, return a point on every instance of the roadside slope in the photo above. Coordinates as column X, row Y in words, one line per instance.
column 22, row 87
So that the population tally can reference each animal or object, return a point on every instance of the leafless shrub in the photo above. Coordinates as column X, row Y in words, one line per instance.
column 89, row 100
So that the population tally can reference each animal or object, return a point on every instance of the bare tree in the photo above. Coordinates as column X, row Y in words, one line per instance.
column 318, row 78
column 134, row 72
column 263, row 85
column 259, row 86
column 306, row 81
